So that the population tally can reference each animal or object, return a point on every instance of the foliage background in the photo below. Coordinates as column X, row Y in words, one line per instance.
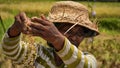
column 105, row 47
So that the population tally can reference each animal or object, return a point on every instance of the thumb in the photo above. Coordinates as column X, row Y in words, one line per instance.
column 23, row 16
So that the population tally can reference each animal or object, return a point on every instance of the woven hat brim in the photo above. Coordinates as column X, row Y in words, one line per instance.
column 72, row 12
column 89, row 26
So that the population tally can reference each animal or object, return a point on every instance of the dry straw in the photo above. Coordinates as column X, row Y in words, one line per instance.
column 72, row 12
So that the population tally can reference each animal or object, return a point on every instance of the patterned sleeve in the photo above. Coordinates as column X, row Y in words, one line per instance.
column 18, row 51
column 75, row 58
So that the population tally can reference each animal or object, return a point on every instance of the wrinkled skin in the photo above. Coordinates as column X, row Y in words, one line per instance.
column 41, row 27
column 74, row 35
column 44, row 28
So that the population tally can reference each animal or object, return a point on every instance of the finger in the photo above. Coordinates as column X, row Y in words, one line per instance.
column 33, row 19
column 43, row 17
column 37, row 26
column 39, row 20
column 35, row 32
column 26, row 32
column 17, row 19
column 23, row 16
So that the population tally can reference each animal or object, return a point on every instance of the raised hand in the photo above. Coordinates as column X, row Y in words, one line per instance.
column 46, row 29
column 20, row 25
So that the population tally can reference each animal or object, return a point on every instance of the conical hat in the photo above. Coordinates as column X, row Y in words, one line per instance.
column 72, row 12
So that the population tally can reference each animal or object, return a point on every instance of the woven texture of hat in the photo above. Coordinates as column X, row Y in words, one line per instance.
column 71, row 12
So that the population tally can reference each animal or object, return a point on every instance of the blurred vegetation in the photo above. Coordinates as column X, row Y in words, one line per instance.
column 106, row 50
column 106, row 46
column 109, row 25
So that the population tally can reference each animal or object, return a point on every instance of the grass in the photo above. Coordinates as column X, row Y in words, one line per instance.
column 105, row 46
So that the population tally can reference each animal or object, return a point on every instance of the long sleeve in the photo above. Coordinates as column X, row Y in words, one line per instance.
column 18, row 51
column 74, row 58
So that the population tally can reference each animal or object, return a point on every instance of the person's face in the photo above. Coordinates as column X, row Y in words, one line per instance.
column 74, row 35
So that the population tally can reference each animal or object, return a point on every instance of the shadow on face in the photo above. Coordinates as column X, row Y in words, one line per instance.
column 75, row 35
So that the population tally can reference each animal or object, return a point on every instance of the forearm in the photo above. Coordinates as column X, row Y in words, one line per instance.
column 11, row 42
column 18, row 51
column 10, row 46
column 75, row 58
column 58, row 42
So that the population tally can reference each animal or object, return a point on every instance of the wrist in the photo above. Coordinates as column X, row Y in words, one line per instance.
column 59, row 43
column 13, row 32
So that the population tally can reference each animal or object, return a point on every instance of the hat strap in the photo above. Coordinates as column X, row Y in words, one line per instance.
column 71, row 28
column 73, row 25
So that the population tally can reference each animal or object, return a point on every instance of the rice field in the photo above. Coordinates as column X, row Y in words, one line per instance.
column 105, row 47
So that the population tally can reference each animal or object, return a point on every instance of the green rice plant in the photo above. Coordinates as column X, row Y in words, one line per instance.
column 105, row 47
column 109, row 25
column 103, row 9
column 106, row 50
column 7, row 22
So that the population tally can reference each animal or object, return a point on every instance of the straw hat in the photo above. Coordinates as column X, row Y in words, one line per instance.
column 72, row 12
